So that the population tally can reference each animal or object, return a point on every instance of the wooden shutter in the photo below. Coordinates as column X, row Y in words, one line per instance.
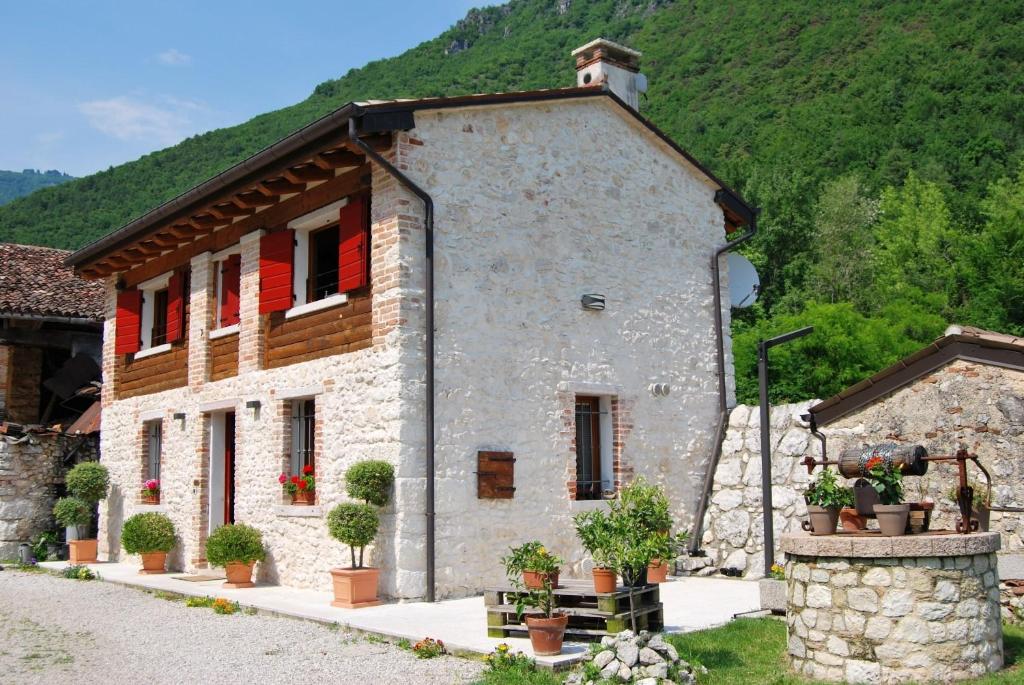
column 495, row 475
column 277, row 257
column 354, row 245
column 175, row 307
column 128, row 324
column 230, row 284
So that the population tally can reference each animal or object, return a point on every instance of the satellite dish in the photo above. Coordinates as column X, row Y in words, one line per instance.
column 744, row 283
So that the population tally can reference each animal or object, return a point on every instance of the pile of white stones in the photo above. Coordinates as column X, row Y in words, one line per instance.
column 644, row 659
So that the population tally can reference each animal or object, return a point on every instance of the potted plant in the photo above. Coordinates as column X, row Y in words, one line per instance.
column 546, row 630
column 595, row 533
column 75, row 514
column 355, row 525
column 301, row 488
column 150, row 535
column 980, row 502
column 237, row 547
column 151, row 491
column 824, row 497
column 536, row 565
column 648, row 507
column 88, row 483
column 887, row 480
column 850, row 519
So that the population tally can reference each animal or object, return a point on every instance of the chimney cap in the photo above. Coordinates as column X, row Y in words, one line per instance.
column 603, row 50
column 610, row 46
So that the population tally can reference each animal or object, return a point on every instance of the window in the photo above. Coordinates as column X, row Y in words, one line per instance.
column 590, row 419
column 154, row 446
column 303, row 434
column 323, row 264
column 158, row 334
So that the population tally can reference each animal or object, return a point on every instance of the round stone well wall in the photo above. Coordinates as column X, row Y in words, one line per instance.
column 873, row 609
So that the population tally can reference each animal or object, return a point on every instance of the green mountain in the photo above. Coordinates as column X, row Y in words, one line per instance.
column 871, row 133
column 15, row 184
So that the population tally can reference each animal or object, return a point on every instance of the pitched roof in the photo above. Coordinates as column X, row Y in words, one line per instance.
column 959, row 342
column 34, row 281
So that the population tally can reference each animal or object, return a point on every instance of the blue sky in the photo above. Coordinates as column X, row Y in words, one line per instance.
column 87, row 85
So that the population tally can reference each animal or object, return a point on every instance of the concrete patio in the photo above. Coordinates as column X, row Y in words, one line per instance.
column 690, row 604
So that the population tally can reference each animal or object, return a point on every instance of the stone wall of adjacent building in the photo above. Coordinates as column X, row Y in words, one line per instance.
column 978, row 406
column 31, row 471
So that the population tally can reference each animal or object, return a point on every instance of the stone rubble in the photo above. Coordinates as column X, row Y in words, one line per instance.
column 643, row 659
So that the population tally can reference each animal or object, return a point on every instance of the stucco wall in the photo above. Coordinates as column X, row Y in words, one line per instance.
column 537, row 205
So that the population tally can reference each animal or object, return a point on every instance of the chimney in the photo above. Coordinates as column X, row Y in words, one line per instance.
column 602, row 61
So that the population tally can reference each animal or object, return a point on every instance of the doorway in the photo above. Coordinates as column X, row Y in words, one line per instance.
column 222, row 469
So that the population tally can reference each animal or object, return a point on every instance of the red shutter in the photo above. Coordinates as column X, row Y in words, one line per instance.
column 128, row 324
column 175, row 307
column 354, row 245
column 277, row 254
column 230, row 283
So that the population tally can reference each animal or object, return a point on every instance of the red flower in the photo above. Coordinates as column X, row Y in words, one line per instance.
column 307, row 469
column 873, row 462
column 302, row 485
column 295, row 480
column 282, row 479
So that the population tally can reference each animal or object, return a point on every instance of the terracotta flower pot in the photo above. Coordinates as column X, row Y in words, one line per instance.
column 148, row 498
column 657, row 571
column 546, row 634
column 153, row 562
column 82, row 551
column 892, row 518
column 304, row 498
column 239, row 575
column 605, row 580
column 355, row 588
column 535, row 581
column 851, row 520
column 822, row 520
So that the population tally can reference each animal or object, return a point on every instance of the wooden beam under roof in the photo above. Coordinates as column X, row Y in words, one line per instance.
column 308, row 173
column 254, row 199
column 279, row 186
column 229, row 210
column 338, row 159
column 166, row 240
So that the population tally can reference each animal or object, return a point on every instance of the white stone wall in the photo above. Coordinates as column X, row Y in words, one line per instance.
column 537, row 205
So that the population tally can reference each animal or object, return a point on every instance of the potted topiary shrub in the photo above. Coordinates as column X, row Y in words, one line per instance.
column 87, row 482
column 75, row 514
column 237, row 547
column 370, row 481
column 892, row 513
column 824, row 497
column 594, row 530
column 355, row 525
column 545, row 626
column 533, row 561
column 150, row 535
column 648, row 506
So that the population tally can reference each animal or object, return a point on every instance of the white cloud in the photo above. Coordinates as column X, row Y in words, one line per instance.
column 174, row 58
column 128, row 118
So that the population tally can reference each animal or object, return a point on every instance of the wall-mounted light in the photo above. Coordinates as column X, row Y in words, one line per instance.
column 180, row 416
column 592, row 301
column 255, row 406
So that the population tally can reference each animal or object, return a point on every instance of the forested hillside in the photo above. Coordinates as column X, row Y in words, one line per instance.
column 15, row 184
column 883, row 141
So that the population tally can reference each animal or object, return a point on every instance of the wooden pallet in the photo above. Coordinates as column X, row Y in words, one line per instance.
column 592, row 615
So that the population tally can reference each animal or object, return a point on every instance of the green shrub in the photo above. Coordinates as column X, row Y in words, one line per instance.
column 199, row 602
column 647, row 504
column 235, row 542
column 354, row 525
column 72, row 511
column 88, row 481
column 825, row 491
column 370, row 481
column 149, row 532
column 79, row 572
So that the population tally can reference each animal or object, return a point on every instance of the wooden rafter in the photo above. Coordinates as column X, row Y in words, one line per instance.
column 308, row 173
column 338, row 159
column 279, row 186
column 166, row 240
column 229, row 210
column 254, row 199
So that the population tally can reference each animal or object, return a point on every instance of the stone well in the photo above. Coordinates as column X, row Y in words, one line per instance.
column 878, row 609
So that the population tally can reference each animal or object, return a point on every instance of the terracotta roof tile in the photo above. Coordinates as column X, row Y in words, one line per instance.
column 34, row 281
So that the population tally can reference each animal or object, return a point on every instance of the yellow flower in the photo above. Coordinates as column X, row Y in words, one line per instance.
column 542, row 551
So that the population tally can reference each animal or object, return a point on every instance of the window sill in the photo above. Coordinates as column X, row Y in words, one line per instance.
column 153, row 351
column 587, row 504
column 309, row 307
column 299, row 511
column 224, row 332
column 151, row 507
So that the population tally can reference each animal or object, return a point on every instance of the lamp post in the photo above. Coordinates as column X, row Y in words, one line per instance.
column 766, row 438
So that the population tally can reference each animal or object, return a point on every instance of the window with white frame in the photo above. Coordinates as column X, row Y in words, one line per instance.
column 303, row 430
column 315, row 275
column 154, row 448
column 153, row 331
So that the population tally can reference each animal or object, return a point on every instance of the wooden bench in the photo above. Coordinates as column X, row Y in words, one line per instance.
column 592, row 615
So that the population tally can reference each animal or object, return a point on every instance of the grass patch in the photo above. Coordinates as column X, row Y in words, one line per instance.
column 505, row 667
column 750, row 651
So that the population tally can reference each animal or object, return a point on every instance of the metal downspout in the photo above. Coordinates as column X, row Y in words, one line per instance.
column 428, row 222
column 723, row 409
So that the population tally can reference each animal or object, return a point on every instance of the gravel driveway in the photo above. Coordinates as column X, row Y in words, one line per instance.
column 54, row 630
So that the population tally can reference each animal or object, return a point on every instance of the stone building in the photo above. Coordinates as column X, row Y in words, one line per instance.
column 965, row 389
column 50, row 325
column 428, row 282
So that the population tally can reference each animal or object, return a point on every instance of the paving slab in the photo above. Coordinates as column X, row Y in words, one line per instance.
column 690, row 604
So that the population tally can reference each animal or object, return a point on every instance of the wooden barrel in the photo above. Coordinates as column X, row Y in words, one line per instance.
column 909, row 457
